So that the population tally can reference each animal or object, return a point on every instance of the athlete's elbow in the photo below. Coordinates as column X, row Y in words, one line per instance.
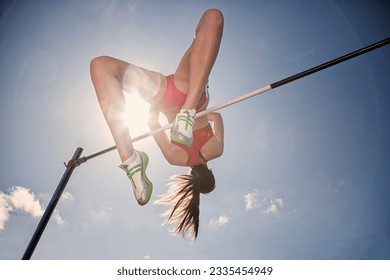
column 169, row 156
column 219, row 151
column 170, row 161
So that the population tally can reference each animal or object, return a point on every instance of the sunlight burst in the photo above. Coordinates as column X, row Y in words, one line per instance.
column 137, row 112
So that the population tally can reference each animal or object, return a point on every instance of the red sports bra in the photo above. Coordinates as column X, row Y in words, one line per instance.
column 173, row 99
column 200, row 137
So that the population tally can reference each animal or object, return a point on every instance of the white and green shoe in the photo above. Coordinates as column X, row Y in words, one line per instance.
column 182, row 127
column 136, row 171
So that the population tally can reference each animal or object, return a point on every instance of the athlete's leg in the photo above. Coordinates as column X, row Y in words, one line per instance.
column 106, row 73
column 110, row 76
column 194, row 69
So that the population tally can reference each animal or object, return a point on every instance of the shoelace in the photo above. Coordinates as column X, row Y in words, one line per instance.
column 186, row 118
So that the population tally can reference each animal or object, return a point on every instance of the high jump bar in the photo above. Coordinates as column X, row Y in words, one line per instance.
column 256, row 92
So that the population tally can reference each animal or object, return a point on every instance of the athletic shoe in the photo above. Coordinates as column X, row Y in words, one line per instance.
column 136, row 171
column 182, row 127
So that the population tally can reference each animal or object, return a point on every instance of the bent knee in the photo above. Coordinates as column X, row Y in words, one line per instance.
column 107, row 66
column 98, row 65
column 213, row 16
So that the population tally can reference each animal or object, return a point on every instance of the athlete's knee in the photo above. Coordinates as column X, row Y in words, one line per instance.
column 99, row 65
column 213, row 17
column 105, row 67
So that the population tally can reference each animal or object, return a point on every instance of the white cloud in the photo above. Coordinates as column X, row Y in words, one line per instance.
column 220, row 221
column 272, row 209
column 21, row 199
column 251, row 200
column 67, row 196
column 24, row 200
column 5, row 208
column 59, row 220
column 275, row 206
column 280, row 202
column 100, row 217
column 264, row 201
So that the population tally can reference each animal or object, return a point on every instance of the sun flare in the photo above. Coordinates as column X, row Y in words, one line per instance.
column 136, row 116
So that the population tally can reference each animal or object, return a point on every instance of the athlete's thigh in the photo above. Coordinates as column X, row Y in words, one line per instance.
column 142, row 82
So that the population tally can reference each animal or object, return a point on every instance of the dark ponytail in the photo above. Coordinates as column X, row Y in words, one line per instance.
column 183, row 199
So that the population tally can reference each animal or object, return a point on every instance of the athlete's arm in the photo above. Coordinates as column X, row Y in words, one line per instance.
column 218, row 125
column 214, row 148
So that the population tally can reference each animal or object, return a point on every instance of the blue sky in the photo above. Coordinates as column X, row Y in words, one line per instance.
column 304, row 172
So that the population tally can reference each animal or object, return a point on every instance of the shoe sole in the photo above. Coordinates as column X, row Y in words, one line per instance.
column 181, row 141
column 145, row 161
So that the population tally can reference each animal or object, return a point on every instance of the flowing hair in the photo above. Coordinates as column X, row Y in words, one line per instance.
column 183, row 200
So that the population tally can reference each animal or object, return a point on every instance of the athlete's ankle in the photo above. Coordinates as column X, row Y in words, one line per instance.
column 131, row 158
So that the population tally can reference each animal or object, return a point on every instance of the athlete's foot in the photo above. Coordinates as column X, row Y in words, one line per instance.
column 182, row 127
column 136, row 171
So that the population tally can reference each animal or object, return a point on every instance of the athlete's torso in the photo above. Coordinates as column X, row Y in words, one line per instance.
column 170, row 104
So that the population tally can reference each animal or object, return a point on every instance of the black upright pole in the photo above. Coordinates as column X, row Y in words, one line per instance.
column 72, row 164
